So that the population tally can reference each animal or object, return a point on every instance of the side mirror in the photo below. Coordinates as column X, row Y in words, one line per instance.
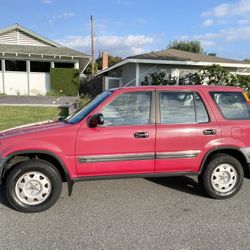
column 95, row 120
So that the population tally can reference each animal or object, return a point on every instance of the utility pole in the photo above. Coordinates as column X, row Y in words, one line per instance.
column 92, row 45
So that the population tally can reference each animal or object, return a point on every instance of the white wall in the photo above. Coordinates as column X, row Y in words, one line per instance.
column 39, row 83
column 16, row 83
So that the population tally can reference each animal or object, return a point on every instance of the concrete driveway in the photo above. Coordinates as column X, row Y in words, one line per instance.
column 162, row 213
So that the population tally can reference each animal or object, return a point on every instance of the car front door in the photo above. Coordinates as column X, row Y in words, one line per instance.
column 125, row 143
column 184, row 133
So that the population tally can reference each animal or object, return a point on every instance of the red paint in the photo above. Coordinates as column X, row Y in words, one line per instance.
column 68, row 142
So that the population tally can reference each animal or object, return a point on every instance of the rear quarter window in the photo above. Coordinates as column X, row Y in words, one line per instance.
column 232, row 105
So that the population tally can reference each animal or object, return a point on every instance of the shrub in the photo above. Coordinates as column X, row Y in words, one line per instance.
column 54, row 93
column 82, row 101
column 159, row 78
column 64, row 81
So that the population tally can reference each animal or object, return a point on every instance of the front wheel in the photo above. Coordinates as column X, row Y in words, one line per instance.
column 222, row 177
column 33, row 186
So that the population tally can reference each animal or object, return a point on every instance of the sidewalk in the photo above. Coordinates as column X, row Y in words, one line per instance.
column 46, row 101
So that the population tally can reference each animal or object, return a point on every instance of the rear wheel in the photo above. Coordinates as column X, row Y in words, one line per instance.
column 222, row 177
column 33, row 186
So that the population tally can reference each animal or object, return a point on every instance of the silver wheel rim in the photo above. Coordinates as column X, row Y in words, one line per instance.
column 224, row 178
column 33, row 188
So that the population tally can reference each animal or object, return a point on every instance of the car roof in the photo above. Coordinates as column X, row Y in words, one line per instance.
column 182, row 87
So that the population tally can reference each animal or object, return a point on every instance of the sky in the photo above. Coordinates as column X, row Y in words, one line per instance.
column 129, row 27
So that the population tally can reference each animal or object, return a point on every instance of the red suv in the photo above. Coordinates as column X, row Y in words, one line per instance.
column 132, row 132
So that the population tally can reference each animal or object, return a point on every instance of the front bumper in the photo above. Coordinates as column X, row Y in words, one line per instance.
column 2, row 164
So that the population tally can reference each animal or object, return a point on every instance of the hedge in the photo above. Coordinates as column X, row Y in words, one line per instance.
column 65, row 81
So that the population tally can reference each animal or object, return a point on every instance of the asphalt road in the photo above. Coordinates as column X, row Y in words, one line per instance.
column 166, row 213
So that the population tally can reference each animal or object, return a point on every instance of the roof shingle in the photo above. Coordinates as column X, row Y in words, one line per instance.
column 40, row 50
column 179, row 55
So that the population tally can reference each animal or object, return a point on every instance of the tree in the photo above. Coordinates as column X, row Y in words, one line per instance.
column 88, row 70
column 215, row 75
column 98, row 64
column 243, row 82
column 112, row 60
column 190, row 46
column 159, row 78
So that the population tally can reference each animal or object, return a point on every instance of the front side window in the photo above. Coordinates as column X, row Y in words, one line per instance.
column 128, row 109
column 80, row 114
column 182, row 108
column 232, row 105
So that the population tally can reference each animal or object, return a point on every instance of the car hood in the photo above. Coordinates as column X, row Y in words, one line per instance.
column 32, row 127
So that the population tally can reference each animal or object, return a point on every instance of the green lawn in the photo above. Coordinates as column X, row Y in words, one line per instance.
column 16, row 116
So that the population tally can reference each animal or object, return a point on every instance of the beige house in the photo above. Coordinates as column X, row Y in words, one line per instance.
column 132, row 70
column 26, row 58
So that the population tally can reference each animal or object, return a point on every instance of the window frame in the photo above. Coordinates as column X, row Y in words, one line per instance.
column 218, row 107
column 152, row 109
column 158, row 107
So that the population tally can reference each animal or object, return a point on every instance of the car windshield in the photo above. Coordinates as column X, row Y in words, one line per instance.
column 80, row 114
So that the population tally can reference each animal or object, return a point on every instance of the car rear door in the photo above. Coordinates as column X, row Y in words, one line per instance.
column 125, row 143
column 184, row 133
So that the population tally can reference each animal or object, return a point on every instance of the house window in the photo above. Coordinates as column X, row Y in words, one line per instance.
column 15, row 65
column 64, row 65
column 39, row 66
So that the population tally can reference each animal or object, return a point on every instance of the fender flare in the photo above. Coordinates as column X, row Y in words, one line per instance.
column 209, row 152
column 70, row 181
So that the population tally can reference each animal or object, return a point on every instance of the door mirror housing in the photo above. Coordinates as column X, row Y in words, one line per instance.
column 96, row 120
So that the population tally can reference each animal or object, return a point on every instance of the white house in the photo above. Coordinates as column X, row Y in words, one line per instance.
column 26, row 58
column 132, row 70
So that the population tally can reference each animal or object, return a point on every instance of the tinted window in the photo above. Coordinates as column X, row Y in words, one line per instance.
column 182, row 107
column 232, row 105
column 14, row 65
column 0, row 64
column 128, row 109
column 39, row 66
column 64, row 65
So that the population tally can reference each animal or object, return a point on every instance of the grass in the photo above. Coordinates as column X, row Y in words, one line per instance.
column 16, row 116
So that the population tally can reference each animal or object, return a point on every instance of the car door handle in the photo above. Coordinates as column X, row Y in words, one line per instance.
column 209, row 132
column 141, row 134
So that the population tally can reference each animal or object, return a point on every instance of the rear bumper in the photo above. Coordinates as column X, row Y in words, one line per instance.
column 2, row 164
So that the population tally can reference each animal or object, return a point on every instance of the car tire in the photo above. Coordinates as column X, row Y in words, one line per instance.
column 223, row 176
column 33, row 186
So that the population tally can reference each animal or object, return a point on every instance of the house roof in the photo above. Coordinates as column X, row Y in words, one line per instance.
column 29, row 32
column 174, row 54
column 45, row 45
column 178, row 57
column 40, row 50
